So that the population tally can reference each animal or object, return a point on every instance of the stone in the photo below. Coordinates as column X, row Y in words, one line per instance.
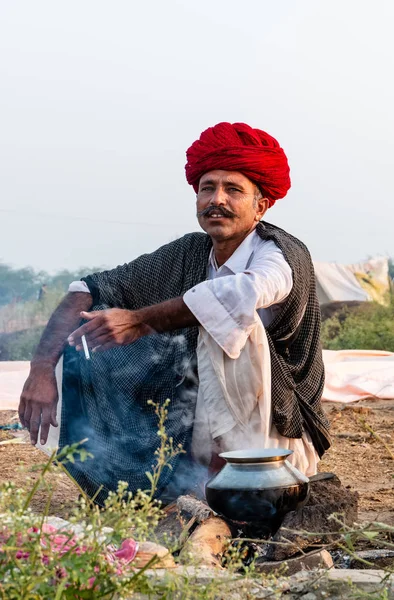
column 76, row 528
column 369, row 581
column 327, row 496
column 380, row 557
column 305, row 562
column 335, row 584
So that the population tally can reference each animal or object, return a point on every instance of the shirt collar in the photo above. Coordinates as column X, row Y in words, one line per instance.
column 239, row 259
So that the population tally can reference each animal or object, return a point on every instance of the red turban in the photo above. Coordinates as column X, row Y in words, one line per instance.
column 238, row 147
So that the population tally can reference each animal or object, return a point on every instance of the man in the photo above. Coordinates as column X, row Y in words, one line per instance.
column 226, row 324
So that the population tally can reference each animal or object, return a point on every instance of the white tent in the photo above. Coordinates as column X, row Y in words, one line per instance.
column 360, row 282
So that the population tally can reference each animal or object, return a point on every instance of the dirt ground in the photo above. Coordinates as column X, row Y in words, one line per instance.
column 20, row 461
column 362, row 456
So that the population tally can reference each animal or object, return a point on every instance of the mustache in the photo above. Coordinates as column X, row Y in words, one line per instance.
column 210, row 210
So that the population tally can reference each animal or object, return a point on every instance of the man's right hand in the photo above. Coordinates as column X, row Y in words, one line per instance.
column 38, row 401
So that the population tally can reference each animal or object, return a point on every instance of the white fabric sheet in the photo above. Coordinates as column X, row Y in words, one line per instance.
column 357, row 374
column 13, row 375
column 337, row 283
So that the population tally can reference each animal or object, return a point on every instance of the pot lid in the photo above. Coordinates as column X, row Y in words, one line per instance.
column 256, row 455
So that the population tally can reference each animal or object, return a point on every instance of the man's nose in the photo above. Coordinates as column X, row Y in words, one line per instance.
column 218, row 197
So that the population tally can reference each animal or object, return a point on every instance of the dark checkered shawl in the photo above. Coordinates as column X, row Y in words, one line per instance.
column 105, row 399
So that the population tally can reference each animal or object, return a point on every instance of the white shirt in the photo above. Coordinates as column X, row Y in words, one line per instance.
column 256, row 277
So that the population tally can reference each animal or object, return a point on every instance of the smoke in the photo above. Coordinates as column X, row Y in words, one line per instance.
column 106, row 400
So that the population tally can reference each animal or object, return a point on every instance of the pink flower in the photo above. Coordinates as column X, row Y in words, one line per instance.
column 61, row 572
column 127, row 551
column 60, row 543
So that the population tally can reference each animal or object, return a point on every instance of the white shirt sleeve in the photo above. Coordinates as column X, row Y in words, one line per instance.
column 78, row 286
column 226, row 306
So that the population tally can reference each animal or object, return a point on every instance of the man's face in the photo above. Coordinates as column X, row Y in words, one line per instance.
column 229, row 205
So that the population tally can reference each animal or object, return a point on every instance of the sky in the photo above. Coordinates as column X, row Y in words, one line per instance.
column 99, row 101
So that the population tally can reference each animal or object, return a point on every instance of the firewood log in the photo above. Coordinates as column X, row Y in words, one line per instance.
column 180, row 519
column 188, row 505
column 147, row 550
column 207, row 543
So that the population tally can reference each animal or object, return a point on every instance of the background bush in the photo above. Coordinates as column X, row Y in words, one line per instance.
column 20, row 345
column 22, row 315
column 22, row 285
column 369, row 326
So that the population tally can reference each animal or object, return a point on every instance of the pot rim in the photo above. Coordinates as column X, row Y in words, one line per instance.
column 256, row 455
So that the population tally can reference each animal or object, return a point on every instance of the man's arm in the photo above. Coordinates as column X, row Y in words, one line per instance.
column 39, row 397
column 117, row 327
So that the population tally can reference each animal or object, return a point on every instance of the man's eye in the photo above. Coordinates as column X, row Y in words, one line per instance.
column 233, row 189
column 206, row 188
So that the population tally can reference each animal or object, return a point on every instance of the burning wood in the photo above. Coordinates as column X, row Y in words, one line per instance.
column 207, row 543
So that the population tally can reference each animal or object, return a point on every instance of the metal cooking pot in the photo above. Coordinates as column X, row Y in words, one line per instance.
column 256, row 488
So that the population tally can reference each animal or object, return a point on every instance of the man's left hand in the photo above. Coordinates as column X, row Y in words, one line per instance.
column 106, row 329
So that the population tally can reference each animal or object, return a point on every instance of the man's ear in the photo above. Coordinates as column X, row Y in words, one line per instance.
column 262, row 207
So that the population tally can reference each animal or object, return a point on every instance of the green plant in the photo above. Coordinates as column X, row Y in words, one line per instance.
column 35, row 564
column 22, row 325
column 366, row 327
column 391, row 268
column 21, row 345
column 88, row 560
column 22, row 285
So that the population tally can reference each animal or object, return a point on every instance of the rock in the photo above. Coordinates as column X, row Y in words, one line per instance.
column 380, row 557
column 326, row 497
column 227, row 585
column 371, row 583
column 76, row 528
column 335, row 584
column 306, row 562
column 355, row 437
column 58, row 522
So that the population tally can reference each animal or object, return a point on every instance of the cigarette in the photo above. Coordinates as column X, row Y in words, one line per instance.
column 85, row 347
